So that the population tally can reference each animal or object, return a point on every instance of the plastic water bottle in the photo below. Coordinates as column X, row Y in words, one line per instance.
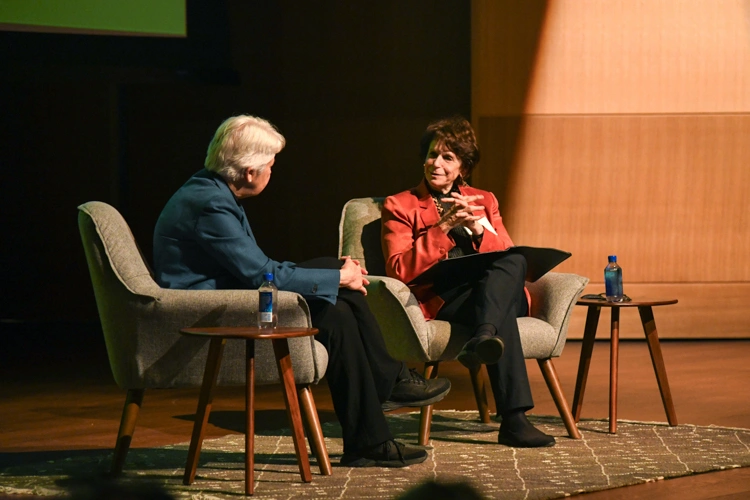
column 613, row 280
column 267, row 293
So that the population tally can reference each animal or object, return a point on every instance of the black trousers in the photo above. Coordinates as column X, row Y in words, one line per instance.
column 494, row 295
column 361, row 374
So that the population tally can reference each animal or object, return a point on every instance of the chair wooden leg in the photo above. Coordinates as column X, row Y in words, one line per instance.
column 133, row 402
column 480, row 394
column 425, row 416
column 553, row 383
column 314, row 430
column 309, row 431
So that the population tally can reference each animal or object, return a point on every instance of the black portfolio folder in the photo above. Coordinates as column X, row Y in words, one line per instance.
column 539, row 261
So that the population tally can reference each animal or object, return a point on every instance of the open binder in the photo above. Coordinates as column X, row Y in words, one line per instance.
column 539, row 262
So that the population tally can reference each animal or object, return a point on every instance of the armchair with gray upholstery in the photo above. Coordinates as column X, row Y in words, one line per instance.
column 141, row 323
column 411, row 338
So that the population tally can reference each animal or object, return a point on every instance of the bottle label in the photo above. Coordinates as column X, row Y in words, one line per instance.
column 613, row 284
column 265, row 307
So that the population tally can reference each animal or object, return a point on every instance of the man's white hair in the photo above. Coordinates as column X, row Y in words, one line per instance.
column 243, row 142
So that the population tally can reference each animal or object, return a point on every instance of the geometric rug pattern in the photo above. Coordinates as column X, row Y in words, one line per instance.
column 461, row 449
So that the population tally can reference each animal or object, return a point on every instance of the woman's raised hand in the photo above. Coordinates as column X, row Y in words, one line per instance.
column 462, row 213
column 352, row 275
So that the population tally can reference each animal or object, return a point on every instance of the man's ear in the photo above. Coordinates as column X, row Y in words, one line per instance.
column 248, row 175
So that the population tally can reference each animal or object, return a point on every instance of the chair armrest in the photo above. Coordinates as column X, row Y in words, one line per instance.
column 229, row 307
column 162, row 357
column 552, row 299
column 398, row 314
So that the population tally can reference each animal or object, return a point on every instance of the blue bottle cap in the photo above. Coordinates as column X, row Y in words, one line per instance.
column 612, row 258
column 268, row 276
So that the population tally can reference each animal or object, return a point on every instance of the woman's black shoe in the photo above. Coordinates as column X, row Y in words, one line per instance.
column 484, row 350
column 468, row 357
column 516, row 431
column 525, row 439
column 388, row 454
column 414, row 391
column 489, row 350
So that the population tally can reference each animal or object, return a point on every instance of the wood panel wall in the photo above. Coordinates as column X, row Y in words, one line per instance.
column 624, row 129
column 351, row 85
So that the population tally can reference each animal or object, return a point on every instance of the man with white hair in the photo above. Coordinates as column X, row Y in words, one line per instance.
column 203, row 240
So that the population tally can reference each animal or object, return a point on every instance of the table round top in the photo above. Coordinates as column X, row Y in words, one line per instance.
column 632, row 303
column 250, row 332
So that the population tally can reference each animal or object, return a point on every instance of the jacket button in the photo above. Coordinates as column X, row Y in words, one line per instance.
column 315, row 289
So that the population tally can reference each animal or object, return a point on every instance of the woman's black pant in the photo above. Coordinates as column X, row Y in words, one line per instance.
column 494, row 295
column 361, row 374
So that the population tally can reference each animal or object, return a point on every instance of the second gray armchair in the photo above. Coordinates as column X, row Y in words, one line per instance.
column 411, row 338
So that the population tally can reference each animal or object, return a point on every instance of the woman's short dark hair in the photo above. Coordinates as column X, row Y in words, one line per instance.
column 456, row 134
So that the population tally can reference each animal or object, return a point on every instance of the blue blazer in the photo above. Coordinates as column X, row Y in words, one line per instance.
column 203, row 240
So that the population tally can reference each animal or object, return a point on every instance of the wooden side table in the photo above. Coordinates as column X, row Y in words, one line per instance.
column 278, row 337
column 652, row 338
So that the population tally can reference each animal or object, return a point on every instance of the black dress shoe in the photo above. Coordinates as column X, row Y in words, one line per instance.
column 523, row 440
column 388, row 454
column 517, row 432
column 485, row 350
column 414, row 391
column 468, row 357
column 489, row 350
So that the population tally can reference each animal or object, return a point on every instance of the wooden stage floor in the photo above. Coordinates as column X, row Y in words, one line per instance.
column 66, row 399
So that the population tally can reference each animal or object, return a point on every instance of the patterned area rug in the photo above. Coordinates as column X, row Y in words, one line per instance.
column 462, row 449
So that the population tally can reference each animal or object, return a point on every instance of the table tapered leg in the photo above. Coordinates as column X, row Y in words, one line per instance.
column 652, row 338
column 213, row 364
column 587, row 347
column 284, row 362
column 249, row 416
column 614, row 350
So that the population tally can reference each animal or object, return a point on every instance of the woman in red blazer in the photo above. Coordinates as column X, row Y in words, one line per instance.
column 443, row 217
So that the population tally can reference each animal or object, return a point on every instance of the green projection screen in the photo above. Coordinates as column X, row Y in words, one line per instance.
column 161, row 18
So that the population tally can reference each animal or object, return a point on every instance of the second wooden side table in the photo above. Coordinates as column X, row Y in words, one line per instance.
column 652, row 338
